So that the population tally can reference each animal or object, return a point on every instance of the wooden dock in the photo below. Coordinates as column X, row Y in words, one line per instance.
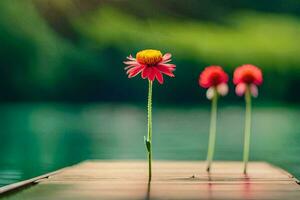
column 105, row 180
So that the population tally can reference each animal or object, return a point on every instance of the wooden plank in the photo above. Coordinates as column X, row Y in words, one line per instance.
column 171, row 180
column 21, row 184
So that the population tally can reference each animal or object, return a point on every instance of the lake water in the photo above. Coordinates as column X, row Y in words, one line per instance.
column 36, row 139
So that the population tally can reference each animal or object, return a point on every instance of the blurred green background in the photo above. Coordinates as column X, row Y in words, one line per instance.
column 65, row 96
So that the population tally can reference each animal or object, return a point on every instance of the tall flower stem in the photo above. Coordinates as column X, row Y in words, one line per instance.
column 212, row 130
column 149, row 137
column 247, row 128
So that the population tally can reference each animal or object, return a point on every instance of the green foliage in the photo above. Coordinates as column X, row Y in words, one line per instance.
column 269, row 40
column 85, row 64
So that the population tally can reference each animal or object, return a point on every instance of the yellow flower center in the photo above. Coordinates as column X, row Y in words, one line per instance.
column 149, row 56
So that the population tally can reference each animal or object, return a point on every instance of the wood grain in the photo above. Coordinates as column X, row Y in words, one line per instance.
column 171, row 180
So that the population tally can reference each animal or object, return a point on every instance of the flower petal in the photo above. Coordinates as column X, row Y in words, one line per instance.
column 135, row 71
column 131, row 66
column 240, row 89
column 164, row 61
column 146, row 72
column 170, row 66
column 210, row 93
column 130, row 58
column 152, row 73
column 253, row 90
column 132, row 69
column 167, row 56
column 222, row 89
column 158, row 76
column 130, row 62
column 164, row 69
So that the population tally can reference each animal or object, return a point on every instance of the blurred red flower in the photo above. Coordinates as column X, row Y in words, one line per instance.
column 247, row 75
column 151, row 64
column 214, row 78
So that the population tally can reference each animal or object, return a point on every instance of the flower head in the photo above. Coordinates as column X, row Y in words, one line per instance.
column 215, row 79
column 212, row 76
column 152, row 64
column 247, row 76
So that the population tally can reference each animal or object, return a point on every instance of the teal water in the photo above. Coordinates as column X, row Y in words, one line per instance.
column 36, row 139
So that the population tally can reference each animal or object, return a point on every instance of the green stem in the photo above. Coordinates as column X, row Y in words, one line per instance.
column 247, row 128
column 212, row 131
column 149, row 137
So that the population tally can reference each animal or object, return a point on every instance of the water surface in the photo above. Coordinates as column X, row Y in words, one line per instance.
column 40, row 138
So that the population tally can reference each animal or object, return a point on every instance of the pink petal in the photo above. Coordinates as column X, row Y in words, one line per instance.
column 130, row 66
column 159, row 76
column 253, row 90
column 132, row 62
column 135, row 71
column 130, row 58
column 165, row 70
column 240, row 89
column 170, row 66
column 222, row 89
column 164, row 61
column 132, row 69
column 133, row 66
column 167, row 56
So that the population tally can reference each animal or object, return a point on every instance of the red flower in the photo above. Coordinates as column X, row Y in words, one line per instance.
column 247, row 76
column 214, row 77
column 151, row 63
